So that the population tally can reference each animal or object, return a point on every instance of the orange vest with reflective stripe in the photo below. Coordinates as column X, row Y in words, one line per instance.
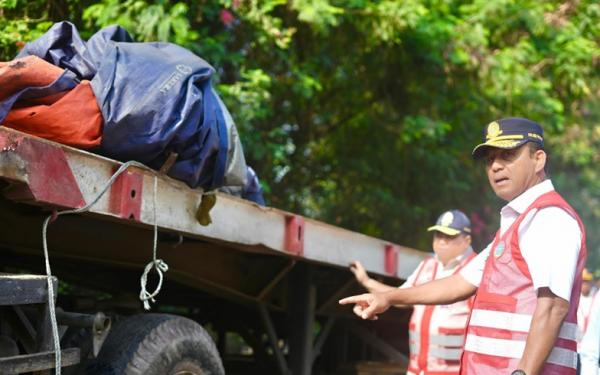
column 436, row 333
column 505, row 303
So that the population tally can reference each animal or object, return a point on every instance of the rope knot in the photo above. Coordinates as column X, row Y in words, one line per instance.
column 160, row 266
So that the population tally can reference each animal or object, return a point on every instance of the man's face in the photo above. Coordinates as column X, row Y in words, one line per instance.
column 447, row 247
column 586, row 287
column 512, row 172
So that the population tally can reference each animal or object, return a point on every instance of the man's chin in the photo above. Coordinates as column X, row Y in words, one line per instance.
column 503, row 194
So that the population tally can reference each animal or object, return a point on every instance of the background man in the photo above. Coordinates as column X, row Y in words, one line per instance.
column 590, row 345
column 436, row 333
column 585, row 301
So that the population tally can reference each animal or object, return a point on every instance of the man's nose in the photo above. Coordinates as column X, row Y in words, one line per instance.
column 496, row 164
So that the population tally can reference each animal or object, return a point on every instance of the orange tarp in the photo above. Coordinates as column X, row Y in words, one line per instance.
column 71, row 117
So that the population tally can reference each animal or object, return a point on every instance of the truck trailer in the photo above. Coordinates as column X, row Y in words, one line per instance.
column 231, row 286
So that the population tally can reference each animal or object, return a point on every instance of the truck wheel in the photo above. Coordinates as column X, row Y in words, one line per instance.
column 157, row 344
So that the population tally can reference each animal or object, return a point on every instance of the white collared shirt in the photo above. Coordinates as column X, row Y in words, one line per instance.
column 550, row 240
column 590, row 346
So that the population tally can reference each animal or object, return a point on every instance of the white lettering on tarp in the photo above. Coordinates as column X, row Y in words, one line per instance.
column 180, row 72
column 184, row 69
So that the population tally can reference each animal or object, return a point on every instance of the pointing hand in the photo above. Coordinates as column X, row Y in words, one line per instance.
column 367, row 306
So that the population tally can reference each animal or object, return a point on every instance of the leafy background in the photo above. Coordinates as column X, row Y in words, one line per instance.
column 363, row 113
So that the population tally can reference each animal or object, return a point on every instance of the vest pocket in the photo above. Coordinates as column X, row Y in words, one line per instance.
column 489, row 303
column 495, row 302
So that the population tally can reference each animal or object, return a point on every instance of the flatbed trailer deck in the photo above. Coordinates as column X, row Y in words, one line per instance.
column 263, row 273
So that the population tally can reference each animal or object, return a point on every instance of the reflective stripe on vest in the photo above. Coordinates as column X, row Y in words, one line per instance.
column 515, row 348
column 515, row 322
column 414, row 348
column 446, row 353
column 436, row 333
column 438, row 344
column 447, row 340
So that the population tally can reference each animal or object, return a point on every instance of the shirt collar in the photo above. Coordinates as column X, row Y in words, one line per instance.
column 520, row 203
column 456, row 261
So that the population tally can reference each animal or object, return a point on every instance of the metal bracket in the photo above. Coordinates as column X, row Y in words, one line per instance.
column 99, row 323
column 391, row 260
column 294, row 234
column 126, row 195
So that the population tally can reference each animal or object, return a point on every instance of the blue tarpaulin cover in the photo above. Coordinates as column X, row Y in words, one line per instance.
column 156, row 98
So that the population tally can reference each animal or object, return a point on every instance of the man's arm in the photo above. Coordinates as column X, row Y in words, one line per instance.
column 372, row 285
column 547, row 320
column 438, row 292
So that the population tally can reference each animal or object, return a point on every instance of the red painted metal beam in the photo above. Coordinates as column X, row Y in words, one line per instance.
column 49, row 178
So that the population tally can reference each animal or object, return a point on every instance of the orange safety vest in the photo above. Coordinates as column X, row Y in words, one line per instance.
column 437, row 333
column 505, row 303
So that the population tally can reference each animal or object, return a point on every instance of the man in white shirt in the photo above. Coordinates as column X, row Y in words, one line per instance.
column 590, row 345
column 436, row 333
column 585, row 301
column 528, row 280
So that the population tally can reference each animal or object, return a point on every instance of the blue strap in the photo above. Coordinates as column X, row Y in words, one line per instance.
column 220, row 163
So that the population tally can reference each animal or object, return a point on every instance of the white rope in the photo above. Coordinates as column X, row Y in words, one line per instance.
column 161, row 266
column 157, row 264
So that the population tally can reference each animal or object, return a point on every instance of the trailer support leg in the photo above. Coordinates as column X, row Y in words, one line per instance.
column 322, row 337
column 302, row 319
column 281, row 363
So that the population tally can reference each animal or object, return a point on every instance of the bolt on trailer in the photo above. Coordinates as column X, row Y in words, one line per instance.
column 250, row 290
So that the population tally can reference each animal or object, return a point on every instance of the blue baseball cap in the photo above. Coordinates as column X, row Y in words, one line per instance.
column 509, row 133
column 452, row 223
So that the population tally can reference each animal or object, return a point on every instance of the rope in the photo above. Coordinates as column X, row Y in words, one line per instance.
column 158, row 263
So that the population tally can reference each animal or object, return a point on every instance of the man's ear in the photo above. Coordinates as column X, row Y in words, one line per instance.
column 540, row 160
column 468, row 239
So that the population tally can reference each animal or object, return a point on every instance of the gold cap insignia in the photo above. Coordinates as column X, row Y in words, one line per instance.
column 493, row 130
column 447, row 219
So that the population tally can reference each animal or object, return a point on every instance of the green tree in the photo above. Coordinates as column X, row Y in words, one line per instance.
column 363, row 113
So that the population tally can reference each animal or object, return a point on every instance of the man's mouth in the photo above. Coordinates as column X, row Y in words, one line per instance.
column 501, row 181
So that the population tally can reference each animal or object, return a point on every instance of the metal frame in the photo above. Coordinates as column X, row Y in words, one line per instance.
column 31, row 290
column 239, row 223
column 236, row 224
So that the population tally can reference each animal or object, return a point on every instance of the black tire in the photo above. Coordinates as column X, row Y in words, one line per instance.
column 157, row 344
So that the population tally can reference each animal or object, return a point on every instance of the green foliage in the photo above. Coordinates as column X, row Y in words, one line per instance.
column 363, row 113
column 149, row 22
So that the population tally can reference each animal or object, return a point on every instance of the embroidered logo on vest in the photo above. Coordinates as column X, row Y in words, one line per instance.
column 499, row 249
